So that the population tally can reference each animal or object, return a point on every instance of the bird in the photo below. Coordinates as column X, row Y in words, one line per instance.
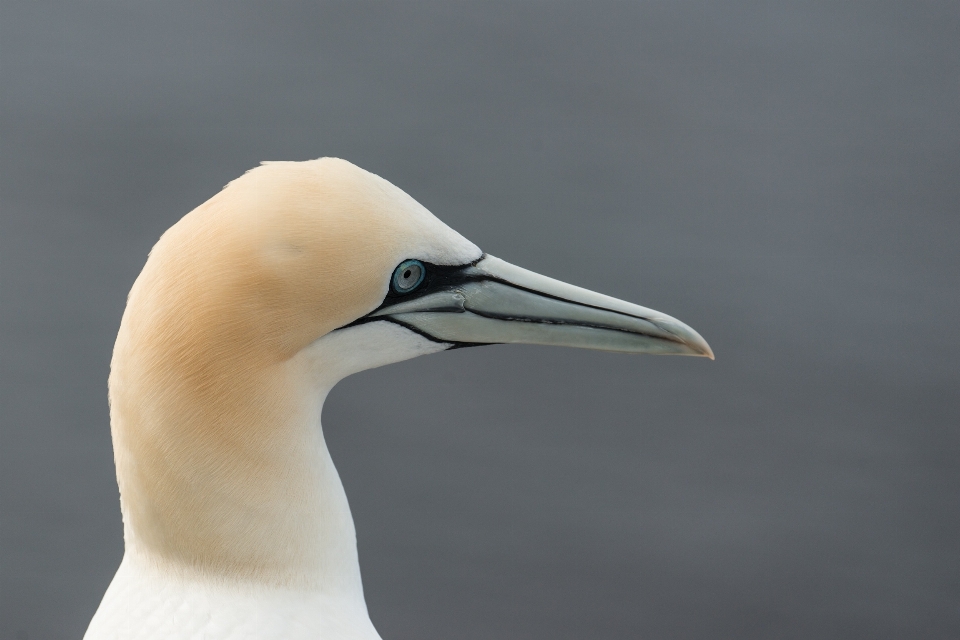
column 245, row 315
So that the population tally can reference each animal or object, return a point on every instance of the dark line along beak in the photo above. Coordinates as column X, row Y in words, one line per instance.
column 493, row 301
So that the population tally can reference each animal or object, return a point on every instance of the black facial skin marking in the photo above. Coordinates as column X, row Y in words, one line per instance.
column 437, row 277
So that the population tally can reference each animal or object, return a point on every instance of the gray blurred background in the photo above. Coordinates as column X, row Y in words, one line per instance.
column 781, row 176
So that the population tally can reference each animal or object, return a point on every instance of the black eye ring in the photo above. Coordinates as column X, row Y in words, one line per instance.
column 408, row 276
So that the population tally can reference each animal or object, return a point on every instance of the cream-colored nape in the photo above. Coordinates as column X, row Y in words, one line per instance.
column 247, row 312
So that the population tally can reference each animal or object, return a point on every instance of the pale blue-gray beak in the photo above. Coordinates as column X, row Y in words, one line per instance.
column 493, row 302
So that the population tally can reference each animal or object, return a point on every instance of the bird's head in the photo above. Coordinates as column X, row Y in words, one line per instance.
column 293, row 276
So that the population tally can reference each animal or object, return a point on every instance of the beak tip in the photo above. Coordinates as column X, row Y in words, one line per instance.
column 691, row 342
column 703, row 349
column 706, row 351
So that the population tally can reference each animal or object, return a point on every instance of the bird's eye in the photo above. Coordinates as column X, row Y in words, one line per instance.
column 408, row 276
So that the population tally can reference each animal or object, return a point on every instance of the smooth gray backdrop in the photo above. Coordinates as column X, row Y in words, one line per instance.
column 781, row 176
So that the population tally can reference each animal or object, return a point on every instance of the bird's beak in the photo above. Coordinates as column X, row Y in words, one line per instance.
column 493, row 302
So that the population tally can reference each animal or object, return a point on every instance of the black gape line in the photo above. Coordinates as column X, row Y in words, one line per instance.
column 453, row 344
column 436, row 277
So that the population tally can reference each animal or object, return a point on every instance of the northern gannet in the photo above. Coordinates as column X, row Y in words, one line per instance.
column 247, row 312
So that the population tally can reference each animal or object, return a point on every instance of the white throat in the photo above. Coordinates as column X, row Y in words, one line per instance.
column 330, row 359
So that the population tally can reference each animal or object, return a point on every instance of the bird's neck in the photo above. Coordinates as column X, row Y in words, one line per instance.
column 240, row 487
column 223, row 469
